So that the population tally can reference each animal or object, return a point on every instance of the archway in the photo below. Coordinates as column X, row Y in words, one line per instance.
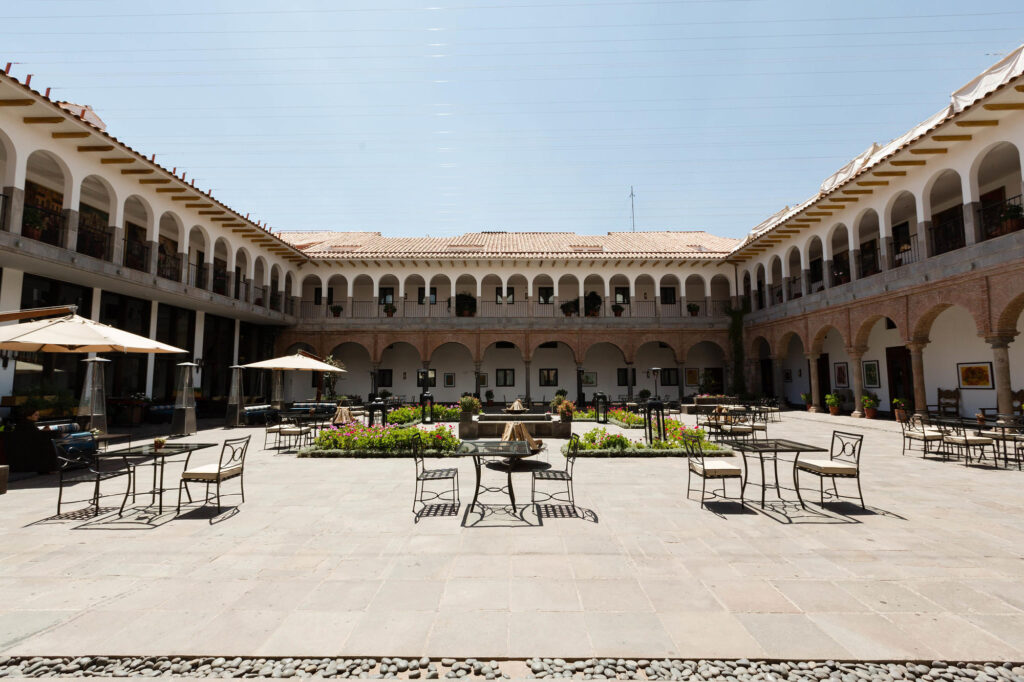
column 903, row 218
column 721, row 292
column 299, row 386
column 259, row 281
column 885, row 365
column 363, row 294
column 168, row 245
column 762, row 286
column 946, row 200
column 397, row 373
column 552, row 366
column 815, row 265
column 644, row 304
column 465, row 304
column 438, row 298
column 605, row 371
column 869, row 239
column 669, row 290
column 505, row 372
column 657, row 354
column 569, row 295
column 696, row 294
column 775, row 266
column 704, row 371
column 243, row 287
column 997, row 182
column 47, row 181
column 516, row 296
column 221, row 252
column 95, row 235
column 955, row 345
column 593, row 296
column 492, row 297
column 840, row 240
column 453, row 365
column 835, row 373
column 796, row 379
column 794, row 284
column 356, row 381
column 198, row 255
column 415, row 303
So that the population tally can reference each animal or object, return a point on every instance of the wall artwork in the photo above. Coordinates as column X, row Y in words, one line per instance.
column 871, row 378
column 842, row 375
column 590, row 378
column 483, row 379
column 692, row 376
column 974, row 374
column 449, row 379
column 787, row 376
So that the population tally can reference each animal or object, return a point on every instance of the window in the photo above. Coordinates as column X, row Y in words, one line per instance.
column 549, row 377
column 505, row 377
column 426, row 378
column 668, row 295
column 422, row 293
column 670, row 376
column 386, row 295
column 330, row 295
column 384, row 378
column 545, row 294
column 318, row 296
column 497, row 295
column 622, row 295
column 510, row 296
column 623, row 372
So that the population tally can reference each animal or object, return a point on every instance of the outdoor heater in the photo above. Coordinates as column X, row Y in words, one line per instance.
column 277, row 389
column 427, row 399
column 656, row 372
column 654, row 420
column 93, row 405
column 235, row 400
column 378, row 405
column 184, row 423
column 601, row 408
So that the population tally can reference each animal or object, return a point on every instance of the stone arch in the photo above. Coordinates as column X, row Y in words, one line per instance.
column 568, row 340
column 755, row 345
column 171, row 226
column 1006, row 322
column 997, row 160
column 714, row 342
column 786, row 339
column 587, row 346
column 244, row 263
column 301, row 345
column 8, row 160
column 720, row 288
column 432, row 348
column 358, row 361
column 137, row 211
column 819, row 337
column 922, row 324
column 259, row 271
column 47, row 169
column 863, row 321
column 794, row 262
column 96, row 192
column 695, row 289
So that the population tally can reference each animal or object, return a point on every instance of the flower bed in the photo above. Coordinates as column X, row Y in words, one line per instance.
column 625, row 418
column 356, row 440
column 585, row 415
column 413, row 414
column 599, row 443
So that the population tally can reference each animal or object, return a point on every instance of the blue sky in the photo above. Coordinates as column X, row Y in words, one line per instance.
column 426, row 118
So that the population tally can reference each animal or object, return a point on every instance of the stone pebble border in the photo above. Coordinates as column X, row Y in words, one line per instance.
column 533, row 668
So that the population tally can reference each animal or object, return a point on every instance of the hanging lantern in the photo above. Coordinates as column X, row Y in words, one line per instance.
column 601, row 408
column 427, row 407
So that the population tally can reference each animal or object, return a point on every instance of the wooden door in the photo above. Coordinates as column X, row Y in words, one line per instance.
column 900, row 373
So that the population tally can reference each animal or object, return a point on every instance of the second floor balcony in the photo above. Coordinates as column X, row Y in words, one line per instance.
column 136, row 255
column 43, row 225
column 168, row 266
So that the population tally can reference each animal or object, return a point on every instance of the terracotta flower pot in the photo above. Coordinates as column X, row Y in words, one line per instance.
column 870, row 412
column 900, row 414
column 809, row 406
column 833, row 410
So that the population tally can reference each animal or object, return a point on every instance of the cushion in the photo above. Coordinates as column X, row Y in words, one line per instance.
column 274, row 429
column 294, row 430
column 968, row 440
column 714, row 467
column 208, row 472
column 924, row 435
column 737, row 428
column 827, row 466
column 1000, row 435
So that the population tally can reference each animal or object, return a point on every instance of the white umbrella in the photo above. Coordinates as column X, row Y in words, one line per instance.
column 75, row 334
column 294, row 362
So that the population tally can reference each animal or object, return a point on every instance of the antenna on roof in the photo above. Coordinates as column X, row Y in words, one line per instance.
column 632, row 209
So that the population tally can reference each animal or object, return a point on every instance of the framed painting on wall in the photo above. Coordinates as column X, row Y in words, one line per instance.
column 787, row 376
column 974, row 374
column 590, row 378
column 449, row 379
column 842, row 375
column 692, row 376
column 483, row 379
column 871, row 378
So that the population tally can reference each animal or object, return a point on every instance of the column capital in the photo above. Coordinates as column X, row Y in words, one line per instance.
column 856, row 351
column 999, row 340
column 917, row 345
column 812, row 356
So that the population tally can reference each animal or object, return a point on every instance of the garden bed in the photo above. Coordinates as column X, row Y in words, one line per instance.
column 624, row 425
column 314, row 453
column 650, row 452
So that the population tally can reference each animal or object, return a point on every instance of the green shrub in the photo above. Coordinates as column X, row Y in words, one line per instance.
column 405, row 415
column 469, row 403
column 386, row 439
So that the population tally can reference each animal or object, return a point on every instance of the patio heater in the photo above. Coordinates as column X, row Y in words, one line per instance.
column 427, row 398
column 654, row 421
column 93, row 405
column 277, row 389
column 656, row 371
column 601, row 408
column 235, row 398
column 184, row 422
column 378, row 405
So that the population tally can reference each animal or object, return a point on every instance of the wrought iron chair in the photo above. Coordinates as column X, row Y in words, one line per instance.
column 917, row 430
column 843, row 462
column 736, row 425
column 78, row 463
column 759, row 416
column 715, row 468
column 562, row 475
column 961, row 438
column 273, row 427
column 948, row 404
column 231, row 464
column 424, row 475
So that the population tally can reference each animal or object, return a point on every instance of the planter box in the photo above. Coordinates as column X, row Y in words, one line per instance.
column 312, row 453
column 650, row 452
column 5, row 472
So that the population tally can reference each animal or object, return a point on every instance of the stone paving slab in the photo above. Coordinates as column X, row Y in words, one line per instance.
column 326, row 558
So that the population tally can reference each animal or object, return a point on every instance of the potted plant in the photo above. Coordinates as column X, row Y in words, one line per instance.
column 870, row 404
column 566, row 409
column 592, row 304
column 643, row 395
column 832, row 400
column 389, row 309
column 556, row 402
column 617, row 309
column 158, row 443
column 469, row 405
column 336, row 310
column 489, row 394
column 806, row 397
column 693, row 309
column 571, row 307
column 899, row 407
column 1012, row 217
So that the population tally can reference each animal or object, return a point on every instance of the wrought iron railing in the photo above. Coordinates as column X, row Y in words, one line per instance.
column 671, row 309
column 196, row 275
column 220, row 281
column 794, row 287
column 275, row 300
column 95, row 242
column 1001, row 217
column 136, row 255
column 310, row 310
column 718, row 307
column 43, row 225
column 905, row 253
column 517, row 309
column 775, row 294
column 947, row 232
column 364, row 309
column 259, row 296
column 644, row 309
column 169, row 266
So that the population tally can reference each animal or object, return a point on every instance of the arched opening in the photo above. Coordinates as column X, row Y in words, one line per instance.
column 311, row 304
column 300, row 386
column 336, row 304
column 815, row 265
column 569, row 295
column 775, row 267
column 796, row 378
column 289, row 293
column 748, row 290
column 198, row 255
column 903, row 218
column 388, row 302
column 46, row 182
column 437, row 297
column 593, row 296
column 947, row 205
column 619, row 286
column 243, row 287
column 8, row 164
column 454, row 368
column 999, row 186
column 762, row 286
column 259, row 281
column 794, row 283
column 885, row 366
column 696, row 294
column 397, row 373
column 704, row 371
column 137, row 221
column 840, row 256
column 415, row 301
column 220, row 266
column 363, row 293
column 669, row 289
column 516, row 301
column 645, row 305
column 761, row 359
column 95, row 233
column 720, row 295
column 465, row 296
column 957, row 359
column 274, row 288
column 663, row 384
column 835, row 374
column 169, row 241
column 553, row 366
column 492, row 297
column 605, row 371
column 543, row 296
column 869, row 239
column 504, row 372
column 356, row 381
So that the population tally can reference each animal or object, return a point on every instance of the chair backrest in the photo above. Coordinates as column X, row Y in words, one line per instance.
column 691, row 441
column 846, row 447
column 416, row 446
column 75, row 453
column 949, row 402
column 232, row 453
column 272, row 418
column 572, row 452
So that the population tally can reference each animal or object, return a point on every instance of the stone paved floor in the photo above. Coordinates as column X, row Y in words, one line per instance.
column 324, row 558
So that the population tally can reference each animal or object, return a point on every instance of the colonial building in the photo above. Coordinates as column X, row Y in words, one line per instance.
column 901, row 276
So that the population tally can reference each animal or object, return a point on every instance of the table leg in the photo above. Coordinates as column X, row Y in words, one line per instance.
column 775, row 466
column 511, row 492
column 476, row 491
column 764, row 484
column 152, row 492
column 163, row 460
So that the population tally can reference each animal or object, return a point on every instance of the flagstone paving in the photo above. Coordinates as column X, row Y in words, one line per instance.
column 325, row 558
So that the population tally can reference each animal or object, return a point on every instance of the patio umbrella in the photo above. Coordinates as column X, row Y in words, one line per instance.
column 76, row 334
column 299, row 362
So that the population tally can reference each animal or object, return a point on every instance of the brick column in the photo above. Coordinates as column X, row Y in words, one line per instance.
column 812, row 376
column 1001, row 369
column 916, row 349
column 856, row 354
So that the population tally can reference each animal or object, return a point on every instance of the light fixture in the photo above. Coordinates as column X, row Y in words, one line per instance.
column 5, row 357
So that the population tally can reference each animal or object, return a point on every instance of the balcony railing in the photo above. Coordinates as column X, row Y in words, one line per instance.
column 905, row 254
column 196, row 276
column 947, row 232
column 43, row 225
column 169, row 267
column 364, row 309
column 719, row 308
column 275, row 301
column 671, row 309
column 259, row 296
column 868, row 264
column 220, row 281
column 94, row 242
column 517, row 309
column 775, row 294
column 794, row 287
column 136, row 255
column 243, row 289
column 1001, row 218
column 3, row 211
column 644, row 309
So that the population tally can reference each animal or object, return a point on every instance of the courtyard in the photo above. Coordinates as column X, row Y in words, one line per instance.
column 325, row 558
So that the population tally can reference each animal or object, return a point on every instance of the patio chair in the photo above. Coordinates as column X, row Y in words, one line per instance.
column 559, row 475
column 736, row 425
column 843, row 462
column 916, row 430
column 273, row 425
column 78, row 463
column 948, row 404
column 294, row 434
column 964, row 440
column 715, row 468
column 424, row 475
column 231, row 464
column 1007, row 431
column 759, row 417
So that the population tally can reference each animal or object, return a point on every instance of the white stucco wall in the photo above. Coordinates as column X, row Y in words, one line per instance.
column 796, row 363
column 954, row 339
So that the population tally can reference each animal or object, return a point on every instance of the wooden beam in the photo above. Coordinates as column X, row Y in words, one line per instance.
column 909, row 162
column 220, row 219
column 929, row 150
column 819, row 213
column 983, row 123
column 16, row 102
column 858, row 191
column 889, row 174
column 1005, row 106
column 952, row 138
column 117, row 159
column 137, row 171
column 204, row 204
column 184, row 198
column 44, row 119
column 78, row 134
column 842, row 199
column 873, row 183
column 170, row 190
column 211, row 212
column 95, row 147
column 1019, row 88
column 153, row 181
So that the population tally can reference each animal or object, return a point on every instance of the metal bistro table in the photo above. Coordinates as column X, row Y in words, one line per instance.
column 510, row 454
column 769, row 449
column 159, row 462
